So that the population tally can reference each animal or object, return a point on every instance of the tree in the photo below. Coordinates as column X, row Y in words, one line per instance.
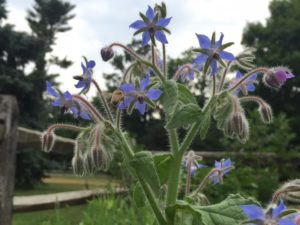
column 278, row 41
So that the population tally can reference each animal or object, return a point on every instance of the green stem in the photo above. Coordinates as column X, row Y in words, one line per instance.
column 173, row 141
column 153, row 55
column 104, row 102
column 118, row 119
column 147, row 190
column 214, row 86
column 164, row 60
column 224, row 75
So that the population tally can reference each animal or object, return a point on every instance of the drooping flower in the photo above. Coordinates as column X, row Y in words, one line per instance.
column 138, row 95
column 247, row 85
column 258, row 216
column 66, row 103
column 152, row 27
column 224, row 166
column 85, row 79
column 277, row 77
column 212, row 52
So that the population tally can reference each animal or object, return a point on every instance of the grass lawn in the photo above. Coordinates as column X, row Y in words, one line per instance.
column 69, row 182
column 66, row 216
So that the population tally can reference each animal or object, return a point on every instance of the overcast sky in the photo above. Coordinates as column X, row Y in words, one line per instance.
column 100, row 22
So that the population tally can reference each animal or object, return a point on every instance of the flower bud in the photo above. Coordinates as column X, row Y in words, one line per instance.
column 99, row 158
column 107, row 53
column 265, row 112
column 276, row 77
column 48, row 140
column 89, row 167
column 237, row 126
column 77, row 165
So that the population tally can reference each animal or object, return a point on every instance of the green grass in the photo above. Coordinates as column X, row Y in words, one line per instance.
column 68, row 182
column 63, row 216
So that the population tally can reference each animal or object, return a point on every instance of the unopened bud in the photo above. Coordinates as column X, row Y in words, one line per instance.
column 48, row 140
column 107, row 53
column 237, row 126
column 99, row 158
column 77, row 165
column 265, row 112
column 89, row 167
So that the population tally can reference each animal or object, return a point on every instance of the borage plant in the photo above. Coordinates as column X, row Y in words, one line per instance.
column 96, row 144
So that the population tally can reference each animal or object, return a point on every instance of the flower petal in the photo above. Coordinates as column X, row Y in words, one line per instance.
column 191, row 76
column 74, row 111
column 253, row 212
column 251, row 87
column 150, row 13
column 145, row 38
column 214, row 67
column 286, row 222
column 289, row 75
column 144, row 83
column 252, row 77
column 141, row 107
column 91, row 64
column 127, row 87
column 139, row 24
column 126, row 102
column 200, row 59
column 154, row 94
column 163, row 22
column 238, row 75
column 51, row 90
column 226, row 55
column 219, row 42
column 84, row 115
column 80, row 84
column 281, row 207
column 161, row 37
column 56, row 102
column 68, row 96
column 204, row 41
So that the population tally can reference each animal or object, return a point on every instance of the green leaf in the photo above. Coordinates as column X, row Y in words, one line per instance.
column 162, row 164
column 227, row 212
column 205, row 123
column 185, row 95
column 222, row 110
column 188, row 114
column 143, row 164
column 138, row 196
column 170, row 96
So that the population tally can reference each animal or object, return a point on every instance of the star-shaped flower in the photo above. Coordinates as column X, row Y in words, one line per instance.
column 138, row 95
column 224, row 166
column 66, row 103
column 85, row 79
column 152, row 27
column 258, row 216
column 211, row 52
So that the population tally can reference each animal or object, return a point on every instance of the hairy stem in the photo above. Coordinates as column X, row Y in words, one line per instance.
column 104, row 102
column 164, row 60
column 256, row 70
column 224, row 76
column 64, row 126
column 94, row 112
column 140, row 59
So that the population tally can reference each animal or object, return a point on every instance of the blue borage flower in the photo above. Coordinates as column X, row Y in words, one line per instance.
column 188, row 72
column 225, row 166
column 247, row 85
column 152, row 27
column 138, row 95
column 258, row 216
column 211, row 51
column 65, row 102
column 85, row 79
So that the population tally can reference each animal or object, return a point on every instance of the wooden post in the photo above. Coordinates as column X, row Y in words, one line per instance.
column 8, row 140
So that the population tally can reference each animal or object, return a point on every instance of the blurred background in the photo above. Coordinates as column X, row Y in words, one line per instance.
column 45, row 40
